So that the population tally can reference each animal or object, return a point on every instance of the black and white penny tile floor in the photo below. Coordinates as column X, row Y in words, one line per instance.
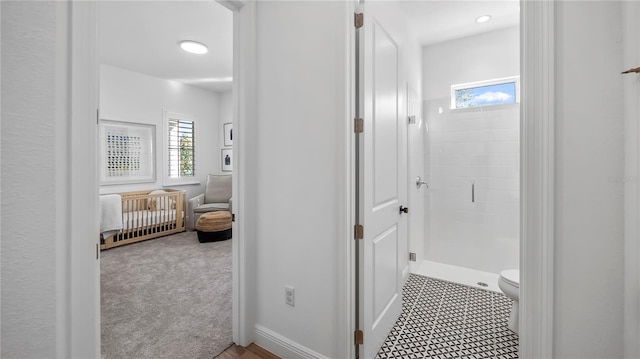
column 444, row 320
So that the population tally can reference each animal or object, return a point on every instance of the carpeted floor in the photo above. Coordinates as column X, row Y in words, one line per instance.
column 168, row 297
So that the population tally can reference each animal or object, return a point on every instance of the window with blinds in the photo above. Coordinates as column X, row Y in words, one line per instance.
column 180, row 148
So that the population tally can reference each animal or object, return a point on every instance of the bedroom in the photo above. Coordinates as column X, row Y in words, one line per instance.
column 149, row 86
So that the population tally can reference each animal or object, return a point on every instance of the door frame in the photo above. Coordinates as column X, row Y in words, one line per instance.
column 77, row 257
column 537, row 176
column 243, row 103
column 631, row 92
column 537, row 58
column 78, row 298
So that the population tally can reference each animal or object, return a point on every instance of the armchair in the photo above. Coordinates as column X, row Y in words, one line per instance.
column 216, row 197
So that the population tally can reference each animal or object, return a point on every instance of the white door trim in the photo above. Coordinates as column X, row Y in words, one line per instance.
column 79, row 328
column 537, row 178
column 244, row 101
column 79, row 288
column 631, row 90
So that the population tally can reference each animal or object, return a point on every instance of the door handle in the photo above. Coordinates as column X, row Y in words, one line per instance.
column 404, row 210
column 420, row 182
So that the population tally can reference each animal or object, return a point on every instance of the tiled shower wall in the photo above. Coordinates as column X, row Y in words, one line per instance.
column 480, row 147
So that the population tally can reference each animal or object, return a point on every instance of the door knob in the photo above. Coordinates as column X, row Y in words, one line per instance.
column 420, row 182
column 404, row 210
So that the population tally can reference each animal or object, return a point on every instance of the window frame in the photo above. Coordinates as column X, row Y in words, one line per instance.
column 179, row 181
column 470, row 85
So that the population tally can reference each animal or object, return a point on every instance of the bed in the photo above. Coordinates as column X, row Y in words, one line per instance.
column 148, row 214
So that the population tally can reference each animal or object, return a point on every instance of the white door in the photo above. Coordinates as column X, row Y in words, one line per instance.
column 384, row 177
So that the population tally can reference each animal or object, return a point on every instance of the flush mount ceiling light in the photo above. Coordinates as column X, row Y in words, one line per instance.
column 483, row 18
column 194, row 47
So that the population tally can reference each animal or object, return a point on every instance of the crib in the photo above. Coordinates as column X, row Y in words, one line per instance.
column 147, row 215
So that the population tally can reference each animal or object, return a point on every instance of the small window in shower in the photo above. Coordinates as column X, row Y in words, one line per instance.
column 486, row 93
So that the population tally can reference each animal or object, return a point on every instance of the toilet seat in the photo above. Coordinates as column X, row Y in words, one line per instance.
column 511, row 277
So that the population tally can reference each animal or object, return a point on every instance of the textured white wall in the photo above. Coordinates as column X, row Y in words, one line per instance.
column 29, row 165
column 134, row 97
column 300, row 160
column 589, row 237
column 479, row 145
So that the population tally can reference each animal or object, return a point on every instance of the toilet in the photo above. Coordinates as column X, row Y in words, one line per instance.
column 509, row 283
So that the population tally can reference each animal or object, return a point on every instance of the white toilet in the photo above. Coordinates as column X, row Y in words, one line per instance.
column 509, row 283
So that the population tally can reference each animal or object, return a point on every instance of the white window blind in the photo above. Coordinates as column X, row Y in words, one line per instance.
column 181, row 148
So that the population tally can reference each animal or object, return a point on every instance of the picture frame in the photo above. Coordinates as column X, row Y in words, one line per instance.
column 127, row 152
column 226, row 159
column 228, row 134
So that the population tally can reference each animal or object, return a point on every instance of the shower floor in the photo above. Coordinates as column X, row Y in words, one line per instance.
column 460, row 275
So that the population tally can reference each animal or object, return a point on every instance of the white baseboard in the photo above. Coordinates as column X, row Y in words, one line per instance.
column 405, row 273
column 283, row 347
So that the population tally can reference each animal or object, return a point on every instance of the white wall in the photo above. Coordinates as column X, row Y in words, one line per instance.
column 478, row 145
column 49, row 303
column 299, row 171
column 589, row 154
column 134, row 97
column 225, row 116
column 29, row 163
column 476, row 58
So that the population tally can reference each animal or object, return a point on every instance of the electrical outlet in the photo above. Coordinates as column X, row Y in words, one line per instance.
column 290, row 295
column 412, row 256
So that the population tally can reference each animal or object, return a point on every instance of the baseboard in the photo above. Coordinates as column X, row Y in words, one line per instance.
column 283, row 347
column 405, row 273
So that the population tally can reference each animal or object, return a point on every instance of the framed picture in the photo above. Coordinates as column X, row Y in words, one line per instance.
column 228, row 134
column 227, row 160
column 127, row 152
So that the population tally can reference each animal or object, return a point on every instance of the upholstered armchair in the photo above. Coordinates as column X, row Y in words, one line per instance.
column 216, row 197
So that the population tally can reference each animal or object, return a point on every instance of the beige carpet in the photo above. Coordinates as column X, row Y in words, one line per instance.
column 167, row 297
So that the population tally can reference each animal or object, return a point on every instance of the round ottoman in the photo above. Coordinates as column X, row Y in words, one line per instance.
column 214, row 226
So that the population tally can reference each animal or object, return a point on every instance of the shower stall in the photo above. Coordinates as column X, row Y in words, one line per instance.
column 472, row 154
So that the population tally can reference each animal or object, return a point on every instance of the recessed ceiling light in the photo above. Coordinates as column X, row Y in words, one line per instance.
column 194, row 47
column 483, row 18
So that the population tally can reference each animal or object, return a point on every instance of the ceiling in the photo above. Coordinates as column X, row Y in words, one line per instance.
column 143, row 36
column 435, row 21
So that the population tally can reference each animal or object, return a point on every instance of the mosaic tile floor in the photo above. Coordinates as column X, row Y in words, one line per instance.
column 446, row 320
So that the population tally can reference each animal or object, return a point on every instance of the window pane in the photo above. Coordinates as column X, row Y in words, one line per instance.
column 496, row 94
column 181, row 148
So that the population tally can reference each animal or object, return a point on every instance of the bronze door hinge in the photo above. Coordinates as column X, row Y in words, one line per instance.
column 358, row 125
column 358, row 337
column 358, row 231
column 358, row 20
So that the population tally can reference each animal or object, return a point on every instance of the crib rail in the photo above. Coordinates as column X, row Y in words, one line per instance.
column 146, row 216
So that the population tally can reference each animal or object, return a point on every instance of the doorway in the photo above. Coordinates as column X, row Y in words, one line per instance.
column 168, row 290
column 535, row 254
